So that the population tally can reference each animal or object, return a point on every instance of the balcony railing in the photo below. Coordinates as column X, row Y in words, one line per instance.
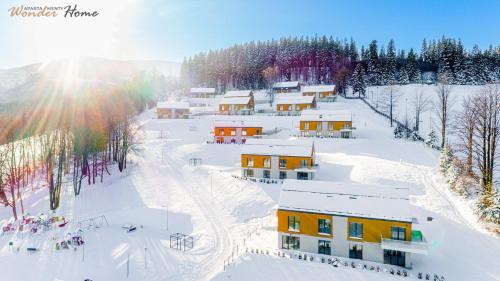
column 414, row 246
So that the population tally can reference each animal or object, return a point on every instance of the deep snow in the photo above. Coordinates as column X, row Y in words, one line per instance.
column 223, row 212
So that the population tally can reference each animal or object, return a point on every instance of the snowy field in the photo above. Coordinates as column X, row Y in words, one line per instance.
column 162, row 194
column 406, row 96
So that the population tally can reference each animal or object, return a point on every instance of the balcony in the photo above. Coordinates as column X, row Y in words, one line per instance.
column 417, row 245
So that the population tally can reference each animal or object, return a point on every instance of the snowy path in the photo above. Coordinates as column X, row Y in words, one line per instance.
column 217, row 226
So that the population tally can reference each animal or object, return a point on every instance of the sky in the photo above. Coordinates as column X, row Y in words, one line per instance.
column 172, row 30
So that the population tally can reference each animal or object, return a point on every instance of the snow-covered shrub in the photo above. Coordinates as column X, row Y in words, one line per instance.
column 414, row 136
column 398, row 131
column 431, row 140
column 488, row 208
column 445, row 159
column 452, row 174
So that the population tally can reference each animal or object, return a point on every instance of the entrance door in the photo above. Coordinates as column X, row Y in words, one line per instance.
column 394, row 257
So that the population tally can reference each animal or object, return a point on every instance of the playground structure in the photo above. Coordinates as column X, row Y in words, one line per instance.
column 181, row 242
column 93, row 222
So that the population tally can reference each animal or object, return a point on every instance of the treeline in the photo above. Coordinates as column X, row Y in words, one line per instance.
column 68, row 137
column 328, row 60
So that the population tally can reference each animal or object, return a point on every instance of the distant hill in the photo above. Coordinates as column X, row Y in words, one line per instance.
column 23, row 82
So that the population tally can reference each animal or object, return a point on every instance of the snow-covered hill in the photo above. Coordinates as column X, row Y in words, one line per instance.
column 22, row 82
column 162, row 194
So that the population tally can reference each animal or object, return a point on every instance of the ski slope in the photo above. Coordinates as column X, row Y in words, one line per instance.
column 162, row 194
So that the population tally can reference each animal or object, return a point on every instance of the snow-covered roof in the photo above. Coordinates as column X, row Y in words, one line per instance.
column 346, row 199
column 318, row 88
column 176, row 105
column 237, row 124
column 325, row 115
column 289, row 84
column 282, row 142
column 236, row 100
column 203, row 90
column 239, row 93
column 278, row 148
column 289, row 99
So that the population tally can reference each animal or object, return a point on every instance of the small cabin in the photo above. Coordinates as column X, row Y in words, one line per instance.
column 235, row 131
column 172, row 110
column 326, row 123
column 323, row 93
column 293, row 105
column 237, row 105
column 286, row 87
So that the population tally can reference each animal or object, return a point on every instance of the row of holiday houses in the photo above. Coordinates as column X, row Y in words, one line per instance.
column 359, row 221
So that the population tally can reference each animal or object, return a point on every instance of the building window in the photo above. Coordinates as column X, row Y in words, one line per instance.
column 356, row 230
column 290, row 242
column 282, row 163
column 281, row 108
column 304, row 163
column 347, row 126
column 302, row 176
column 267, row 162
column 356, row 252
column 250, row 162
column 244, row 132
column 306, row 125
column 248, row 173
column 324, row 226
column 344, row 135
column 398, row 233
column 324, row 247
column 330, row 126
column 294, row 223
column 394, row 257
column 297, row 107
column 267, row 174
column 221, row 132
column 233, row 132
column 282, row 175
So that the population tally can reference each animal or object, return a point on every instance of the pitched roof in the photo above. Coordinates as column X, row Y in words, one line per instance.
column 289, row 99
column 236, row 100
column 325, row 115
column 237, row 124
column 346, row 199
column 288, row 84
column 176, row 105
column 203, row 90
column 317, row 88
column 239, row 93
column 278, row 147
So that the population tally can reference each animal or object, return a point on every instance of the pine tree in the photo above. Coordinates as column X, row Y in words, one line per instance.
column 391, row 62
column 412, row 67
column 445, row 158
column 359, row 80
column 431, row 140
column 403, row 76
column 373, row 72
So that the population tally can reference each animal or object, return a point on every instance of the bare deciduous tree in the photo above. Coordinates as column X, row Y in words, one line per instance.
column 390, row 96
column 421, row 104
column 443, row 106
column 463, row 127
column 486, row 130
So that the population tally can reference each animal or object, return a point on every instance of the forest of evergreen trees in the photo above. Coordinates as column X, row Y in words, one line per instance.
column 328, row 60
